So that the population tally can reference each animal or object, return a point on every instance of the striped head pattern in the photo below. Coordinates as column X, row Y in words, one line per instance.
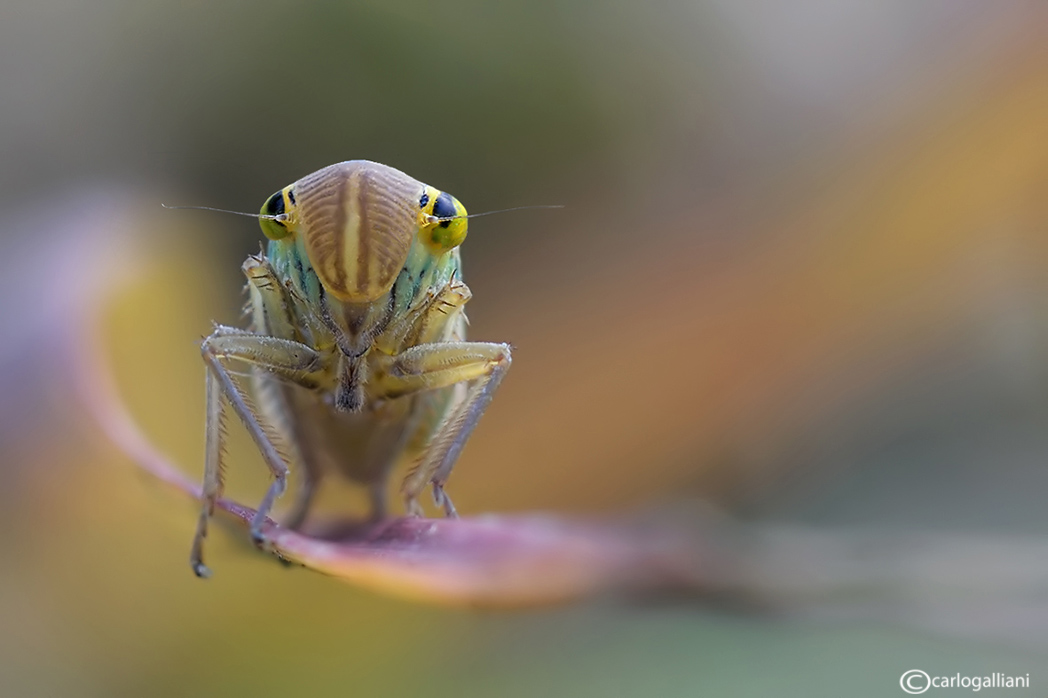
column 358, row 220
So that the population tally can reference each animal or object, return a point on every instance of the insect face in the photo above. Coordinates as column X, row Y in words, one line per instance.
column 357, row 221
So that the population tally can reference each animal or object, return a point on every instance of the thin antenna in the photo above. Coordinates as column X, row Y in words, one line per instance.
column 488, row 213
column 280, row 217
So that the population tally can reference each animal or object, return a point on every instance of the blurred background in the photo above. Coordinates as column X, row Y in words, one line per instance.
column 801, row 275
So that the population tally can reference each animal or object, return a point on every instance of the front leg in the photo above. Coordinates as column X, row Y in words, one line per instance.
column 282, row 356
column 481, row 365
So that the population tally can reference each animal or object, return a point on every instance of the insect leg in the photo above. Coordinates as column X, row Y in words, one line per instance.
column 285, row 357
column 482, row 366
column 377, row 497
column 213, row 480
column 272, row 309
column 456, row 430
column 303, row 501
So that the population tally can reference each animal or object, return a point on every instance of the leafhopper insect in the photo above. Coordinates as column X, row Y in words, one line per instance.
column 357, row 351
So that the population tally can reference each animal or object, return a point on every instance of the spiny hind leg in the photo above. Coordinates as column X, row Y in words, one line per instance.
column 481, row 366
column 213, row 475
column 291, row 359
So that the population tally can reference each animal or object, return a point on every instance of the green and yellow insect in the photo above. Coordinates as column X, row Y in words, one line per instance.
column 357, row 346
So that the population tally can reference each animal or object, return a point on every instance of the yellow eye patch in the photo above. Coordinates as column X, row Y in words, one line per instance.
column 276, row 205
column 442, row 220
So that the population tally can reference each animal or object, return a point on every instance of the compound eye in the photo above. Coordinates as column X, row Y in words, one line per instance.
column 444, row 207
column 274, row 206
column 446, row 234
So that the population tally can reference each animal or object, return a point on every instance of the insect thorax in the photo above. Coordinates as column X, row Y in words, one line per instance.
column 320, row 318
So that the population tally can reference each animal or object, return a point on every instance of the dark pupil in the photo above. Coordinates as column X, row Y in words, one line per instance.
column 443, row 208
column 275, row 205
column 423, row 201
